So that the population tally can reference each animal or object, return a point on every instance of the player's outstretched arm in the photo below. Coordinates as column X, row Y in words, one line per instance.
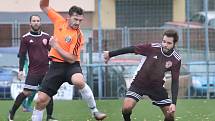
column 44, row 5
column 108, row 54
column 121, row 51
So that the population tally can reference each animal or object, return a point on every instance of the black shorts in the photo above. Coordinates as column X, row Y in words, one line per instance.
column 158, row 95
column 57, row 74
column 33, row 81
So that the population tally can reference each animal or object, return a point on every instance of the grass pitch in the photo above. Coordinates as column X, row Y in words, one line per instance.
column 76, row 110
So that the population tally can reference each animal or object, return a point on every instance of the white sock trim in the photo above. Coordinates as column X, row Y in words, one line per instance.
column 37, row 115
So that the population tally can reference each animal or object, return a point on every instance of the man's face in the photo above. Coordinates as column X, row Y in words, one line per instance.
column 75, row 21
column 167, row 43
column 35, row 23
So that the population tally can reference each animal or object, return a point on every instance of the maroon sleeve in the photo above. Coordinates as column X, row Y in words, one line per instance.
column 175, row 81
column 143, row 49
column 22, row 53
column 23, row 47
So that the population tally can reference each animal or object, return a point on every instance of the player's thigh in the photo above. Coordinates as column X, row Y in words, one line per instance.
column 159, row 96
column 27, row 92
column 75, row 76
column 134, row 93
column 53, row 79
column 32, row 82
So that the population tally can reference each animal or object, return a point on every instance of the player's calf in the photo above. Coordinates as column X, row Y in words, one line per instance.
column 126, row 115
column 169, row 118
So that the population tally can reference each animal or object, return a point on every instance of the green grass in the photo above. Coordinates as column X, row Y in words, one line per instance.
column 76, row 110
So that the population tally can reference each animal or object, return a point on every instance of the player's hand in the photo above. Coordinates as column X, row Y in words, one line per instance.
column 106, row 56
column 172, row 108
column 53, row 43
column 21, row 75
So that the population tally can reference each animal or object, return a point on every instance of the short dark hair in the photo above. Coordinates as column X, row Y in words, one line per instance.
column 76, row 9
column 171, row 33
column 33, row 16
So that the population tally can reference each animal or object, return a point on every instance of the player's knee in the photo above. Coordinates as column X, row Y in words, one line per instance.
column 39, row 101
column 42, row 101
column 78, row 80
column 79, row 85
column 128, row 105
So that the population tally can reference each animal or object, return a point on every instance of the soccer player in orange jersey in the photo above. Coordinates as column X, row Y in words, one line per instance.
column 65, row 55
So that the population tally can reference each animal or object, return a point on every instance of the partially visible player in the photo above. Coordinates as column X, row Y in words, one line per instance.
column 35, row 44
column 65, row 54
column 160, row 58
column 26, row 104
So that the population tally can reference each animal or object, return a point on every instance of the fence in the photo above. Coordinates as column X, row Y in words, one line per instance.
column 114, row 77
column 140, row 21
column 117, row 79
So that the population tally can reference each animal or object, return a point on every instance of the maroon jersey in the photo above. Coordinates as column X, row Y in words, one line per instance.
column 152, row 70
column 37, row 48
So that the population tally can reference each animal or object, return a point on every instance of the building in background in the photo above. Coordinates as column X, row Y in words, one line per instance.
column 114, row 14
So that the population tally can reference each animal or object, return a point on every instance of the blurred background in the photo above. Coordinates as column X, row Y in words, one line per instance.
column 113, row 24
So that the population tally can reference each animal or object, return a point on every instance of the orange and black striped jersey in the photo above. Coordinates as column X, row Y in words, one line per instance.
column 69, row 39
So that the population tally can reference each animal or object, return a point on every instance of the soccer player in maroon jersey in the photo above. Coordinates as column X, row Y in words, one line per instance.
column 35, row 43
column 160, row 58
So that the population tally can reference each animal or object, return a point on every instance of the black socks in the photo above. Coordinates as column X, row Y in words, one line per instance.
column 18, row 102
column 126, row 116
column 49, row 108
